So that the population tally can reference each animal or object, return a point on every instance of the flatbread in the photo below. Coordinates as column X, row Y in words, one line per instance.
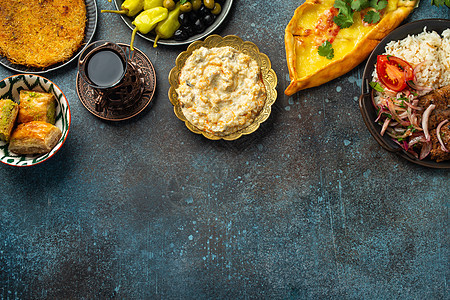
column 351, row 45
column 41, row 33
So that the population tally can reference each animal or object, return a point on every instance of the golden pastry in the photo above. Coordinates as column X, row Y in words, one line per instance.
column 34, row 137
column 8, row 114
column 36, row 106
column 40, row 33
column 313, row 25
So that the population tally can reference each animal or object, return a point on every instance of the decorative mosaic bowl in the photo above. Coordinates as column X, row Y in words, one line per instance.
column 269, row 78
column 9, row 89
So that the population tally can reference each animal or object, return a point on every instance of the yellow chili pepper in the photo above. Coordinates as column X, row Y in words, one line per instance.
column 147, row 20
column 167, row 28
column 128, row 7
column 152, row 3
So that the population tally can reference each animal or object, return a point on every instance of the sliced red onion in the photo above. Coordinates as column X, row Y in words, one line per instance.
column 402, row 145
column 415, row 86
column 380, row 113
column 438, row 131
column 413, row 106
column 417, row 67
column 414, row 122
column 426, row 148
column 395, row 115
column 417, row 139
column 385, row 125
column 425, row 117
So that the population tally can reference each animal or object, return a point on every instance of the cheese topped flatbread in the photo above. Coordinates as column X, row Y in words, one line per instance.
column 312, row 25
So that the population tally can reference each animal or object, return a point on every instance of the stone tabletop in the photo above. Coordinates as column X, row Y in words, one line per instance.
column 307, row 207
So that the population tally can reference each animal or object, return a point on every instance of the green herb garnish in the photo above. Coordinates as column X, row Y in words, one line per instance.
column 326, row 50
column 372, row 17
column 347, row 8
column 376, row 86
column 438, row 3
column 344, row 19
column 411, row 128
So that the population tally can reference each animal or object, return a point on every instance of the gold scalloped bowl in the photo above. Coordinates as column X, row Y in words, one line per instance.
column 268, row 76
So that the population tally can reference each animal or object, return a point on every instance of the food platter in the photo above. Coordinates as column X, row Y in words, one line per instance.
column 91, row 25
column 9, row 89
column 367, row 109
column 268, row 76
column 151, row 37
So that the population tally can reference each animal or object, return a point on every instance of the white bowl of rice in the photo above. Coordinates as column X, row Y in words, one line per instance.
column 425, row 45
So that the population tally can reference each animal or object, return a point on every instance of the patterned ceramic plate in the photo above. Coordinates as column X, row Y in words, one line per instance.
column 268, row 75
column 151, row 36
column 10, row 88
column 91, row 25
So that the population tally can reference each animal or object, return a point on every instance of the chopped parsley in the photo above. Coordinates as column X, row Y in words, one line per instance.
column 326, row 50
column 376, row 86
column 344, row 18
column 411, row 128
column 347, row 8
column 372, row 17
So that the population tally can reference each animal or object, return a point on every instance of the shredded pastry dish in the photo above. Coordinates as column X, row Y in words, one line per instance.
column 40, row 33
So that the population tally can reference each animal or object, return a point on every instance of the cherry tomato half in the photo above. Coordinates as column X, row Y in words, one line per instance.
column 394, row 72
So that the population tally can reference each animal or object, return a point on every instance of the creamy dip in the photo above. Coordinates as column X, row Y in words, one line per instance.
column 220, row 90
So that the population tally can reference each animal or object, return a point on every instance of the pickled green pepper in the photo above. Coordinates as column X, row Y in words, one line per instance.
column 128, row 7
column 167, row 28
column 147, row 20
column 152, row 3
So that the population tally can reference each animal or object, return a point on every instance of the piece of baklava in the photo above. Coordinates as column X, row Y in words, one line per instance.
column 36, row 106
column 8, row 114
column 35, row 137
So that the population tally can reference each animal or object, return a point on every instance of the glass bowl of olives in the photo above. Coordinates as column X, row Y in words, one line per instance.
column 196, row 18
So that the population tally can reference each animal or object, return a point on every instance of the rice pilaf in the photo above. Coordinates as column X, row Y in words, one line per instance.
column 428, row 53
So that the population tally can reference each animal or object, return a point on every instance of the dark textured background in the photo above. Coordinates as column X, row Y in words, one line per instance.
column 308, row 206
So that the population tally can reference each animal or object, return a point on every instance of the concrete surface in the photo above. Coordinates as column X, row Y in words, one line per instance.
column 307, row 207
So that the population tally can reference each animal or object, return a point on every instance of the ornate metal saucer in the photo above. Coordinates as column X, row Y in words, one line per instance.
column 268, row 75
column 143, row 71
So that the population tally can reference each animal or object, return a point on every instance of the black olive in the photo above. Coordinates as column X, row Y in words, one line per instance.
column 189, row 30
column 193, row 16
column 183, row 19
column 203, row 11
column 199, row 27
column 180, row 35
column 209, row 19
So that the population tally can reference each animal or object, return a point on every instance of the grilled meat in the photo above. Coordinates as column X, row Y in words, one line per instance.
column 441, row 99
